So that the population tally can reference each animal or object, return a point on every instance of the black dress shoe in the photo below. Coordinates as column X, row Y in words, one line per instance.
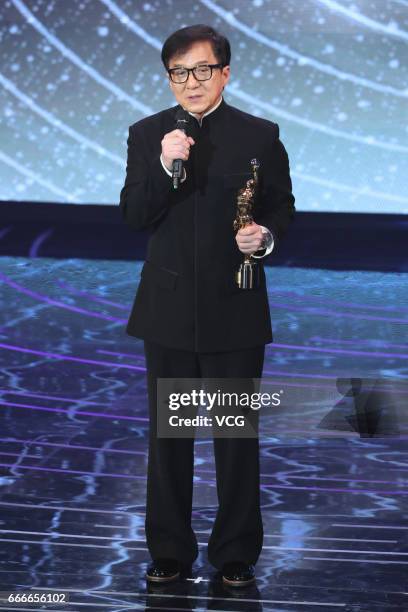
column 237, row 573
column 163, row 570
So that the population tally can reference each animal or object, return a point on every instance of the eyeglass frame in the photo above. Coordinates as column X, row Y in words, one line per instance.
column 211, row 66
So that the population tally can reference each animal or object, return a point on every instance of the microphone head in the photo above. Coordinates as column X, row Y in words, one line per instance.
column 182, row 115
column 182, row 119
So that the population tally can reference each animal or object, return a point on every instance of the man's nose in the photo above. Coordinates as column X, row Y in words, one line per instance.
column 192, row 82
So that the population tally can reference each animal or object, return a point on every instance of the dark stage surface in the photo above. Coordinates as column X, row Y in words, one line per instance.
column 74, row 443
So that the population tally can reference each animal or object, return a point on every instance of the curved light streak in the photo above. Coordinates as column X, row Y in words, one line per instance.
column 132, row 25
column 36, row 245
column 125, row 20
column 63, row 357
column 389, row 29
column 105, row 415
column 402, row 2
column 310, row 310
column 303, row 60
column 44, row 298
column 75, row 59
column 57, row 123
column 362, row 191
column 9, row 161
column 313, row 125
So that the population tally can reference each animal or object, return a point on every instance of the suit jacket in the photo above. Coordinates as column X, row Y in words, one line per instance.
column 187, row 296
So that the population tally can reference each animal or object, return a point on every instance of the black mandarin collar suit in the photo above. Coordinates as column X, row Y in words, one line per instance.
column 187, row 297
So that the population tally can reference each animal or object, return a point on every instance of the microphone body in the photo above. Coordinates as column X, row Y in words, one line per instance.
column 182, row 118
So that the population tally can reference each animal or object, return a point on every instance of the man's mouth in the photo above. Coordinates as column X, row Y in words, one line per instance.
column 193, row 98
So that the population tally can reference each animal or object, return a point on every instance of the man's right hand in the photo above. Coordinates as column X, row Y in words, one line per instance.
column 175, row 145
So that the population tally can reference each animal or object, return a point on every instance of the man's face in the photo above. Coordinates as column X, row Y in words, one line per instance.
column 198, row 96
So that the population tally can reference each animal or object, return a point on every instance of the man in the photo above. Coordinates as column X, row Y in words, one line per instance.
column 194, row 319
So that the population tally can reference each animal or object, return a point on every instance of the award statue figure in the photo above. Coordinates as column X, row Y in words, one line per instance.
column 247, row 276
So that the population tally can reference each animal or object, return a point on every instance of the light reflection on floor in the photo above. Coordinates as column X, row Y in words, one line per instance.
column 73, row 446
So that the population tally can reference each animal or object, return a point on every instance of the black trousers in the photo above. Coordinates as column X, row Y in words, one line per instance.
column 237, row 532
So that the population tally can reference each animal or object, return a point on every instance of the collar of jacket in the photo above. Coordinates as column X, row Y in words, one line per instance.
column 213, row 118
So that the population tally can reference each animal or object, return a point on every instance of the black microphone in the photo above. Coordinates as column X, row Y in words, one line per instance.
column 182, row 118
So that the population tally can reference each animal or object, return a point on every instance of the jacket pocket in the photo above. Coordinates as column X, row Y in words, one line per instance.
column 167, row 279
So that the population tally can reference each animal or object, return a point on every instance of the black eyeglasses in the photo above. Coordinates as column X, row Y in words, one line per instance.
column 200, row 73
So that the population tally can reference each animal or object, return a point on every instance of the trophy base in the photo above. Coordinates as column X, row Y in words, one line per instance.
column 248, row 277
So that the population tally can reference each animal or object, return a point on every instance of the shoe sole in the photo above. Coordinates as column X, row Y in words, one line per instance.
column 166, row 579
column 237, row 583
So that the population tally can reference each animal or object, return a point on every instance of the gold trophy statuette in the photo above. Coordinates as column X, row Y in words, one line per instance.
column 247, row 276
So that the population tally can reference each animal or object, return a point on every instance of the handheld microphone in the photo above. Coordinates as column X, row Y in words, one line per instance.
column 182, row 118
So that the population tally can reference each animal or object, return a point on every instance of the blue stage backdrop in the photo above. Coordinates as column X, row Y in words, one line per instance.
column 334, row 75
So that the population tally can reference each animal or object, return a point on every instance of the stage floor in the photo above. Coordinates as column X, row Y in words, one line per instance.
column 73, row 446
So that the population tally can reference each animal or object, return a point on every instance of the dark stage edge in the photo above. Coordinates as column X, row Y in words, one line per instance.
column 335, row 241
column 73, row 447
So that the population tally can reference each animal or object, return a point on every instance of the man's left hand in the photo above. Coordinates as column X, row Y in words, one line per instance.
column 250, row 239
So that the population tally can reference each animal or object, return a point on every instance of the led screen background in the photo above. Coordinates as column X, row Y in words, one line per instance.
column 333, row 75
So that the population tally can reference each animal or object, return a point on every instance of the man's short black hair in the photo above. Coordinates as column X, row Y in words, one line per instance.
column 180, row 41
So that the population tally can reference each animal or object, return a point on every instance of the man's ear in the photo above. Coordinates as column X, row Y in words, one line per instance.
column 227, row 73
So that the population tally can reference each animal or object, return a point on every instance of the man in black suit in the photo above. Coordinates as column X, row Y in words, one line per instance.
column 194, row 319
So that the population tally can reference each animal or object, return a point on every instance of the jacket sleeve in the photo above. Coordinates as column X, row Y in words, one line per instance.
column 277, row 207
column 145, row 196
